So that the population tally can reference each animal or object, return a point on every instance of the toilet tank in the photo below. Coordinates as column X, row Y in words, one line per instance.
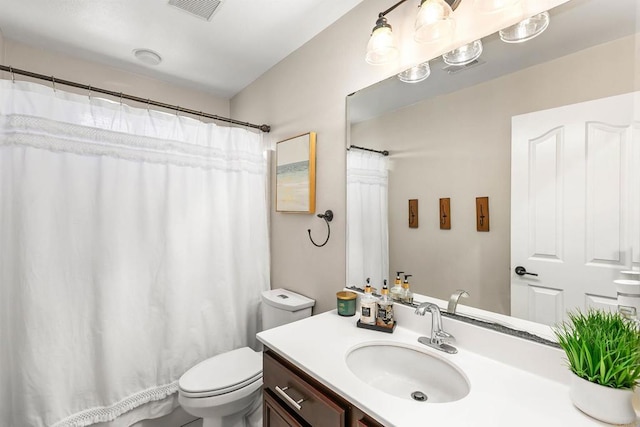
column 280, row 306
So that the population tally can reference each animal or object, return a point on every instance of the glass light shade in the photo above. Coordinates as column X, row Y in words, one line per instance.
column 490, row 6
column 464, row 54
column 381, row 47
column 434, row 21
column 415, row 74
column 525, row 30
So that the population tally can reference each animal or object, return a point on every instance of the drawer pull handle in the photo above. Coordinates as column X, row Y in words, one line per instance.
column 282, row 392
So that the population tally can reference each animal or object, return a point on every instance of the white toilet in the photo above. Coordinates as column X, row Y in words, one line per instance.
column 223, row 389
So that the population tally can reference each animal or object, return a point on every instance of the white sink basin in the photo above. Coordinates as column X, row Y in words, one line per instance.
column 407, row 372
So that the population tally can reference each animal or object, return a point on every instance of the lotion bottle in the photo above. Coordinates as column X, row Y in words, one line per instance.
column 407, row 295
column 396, row 290
column 368, row 306
column 385, row 308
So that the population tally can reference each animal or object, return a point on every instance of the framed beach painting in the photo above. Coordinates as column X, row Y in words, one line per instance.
column 296, row 174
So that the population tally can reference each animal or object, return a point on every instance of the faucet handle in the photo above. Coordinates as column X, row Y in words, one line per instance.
column 453, row 300
column 443, row 337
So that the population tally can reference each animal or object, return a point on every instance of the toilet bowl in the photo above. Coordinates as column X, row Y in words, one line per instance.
column 224, row 389
column 221, row 390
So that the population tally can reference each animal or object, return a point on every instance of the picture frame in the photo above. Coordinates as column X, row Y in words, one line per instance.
column 296, row 174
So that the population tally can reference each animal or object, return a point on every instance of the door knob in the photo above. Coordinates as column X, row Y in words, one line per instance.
column 521, row 271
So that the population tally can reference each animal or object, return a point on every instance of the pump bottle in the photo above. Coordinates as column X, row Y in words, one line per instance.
column 407, row 295
column 385, row 308
column 396, row 290
column 368, row 306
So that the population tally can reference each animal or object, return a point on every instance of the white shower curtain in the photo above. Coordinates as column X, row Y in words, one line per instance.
column 367, row 217
column 133, row 244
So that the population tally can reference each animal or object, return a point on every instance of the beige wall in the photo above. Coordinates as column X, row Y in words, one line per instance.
column 458, row 146
column 306, row 92
column 65, row 67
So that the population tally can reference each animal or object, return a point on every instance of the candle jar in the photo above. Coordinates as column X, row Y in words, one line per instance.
column 346, row 303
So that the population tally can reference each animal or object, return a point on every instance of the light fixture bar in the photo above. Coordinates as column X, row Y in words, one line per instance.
column 381, row 14
column 453, row 3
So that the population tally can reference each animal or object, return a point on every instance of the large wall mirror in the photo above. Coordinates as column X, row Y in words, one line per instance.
column 545, row 130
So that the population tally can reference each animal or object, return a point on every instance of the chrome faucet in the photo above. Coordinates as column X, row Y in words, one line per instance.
column 439, row 338
column 453, row 301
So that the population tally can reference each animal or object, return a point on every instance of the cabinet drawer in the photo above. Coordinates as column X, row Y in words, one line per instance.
column 360, row 419
column 274, row 415
column 300, row 395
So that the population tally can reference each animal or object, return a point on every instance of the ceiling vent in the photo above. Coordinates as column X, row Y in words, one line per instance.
column 454, row 69
column 201, row 8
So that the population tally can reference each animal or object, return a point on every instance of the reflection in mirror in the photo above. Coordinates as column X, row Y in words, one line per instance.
column 552, row 98
column 367, row 185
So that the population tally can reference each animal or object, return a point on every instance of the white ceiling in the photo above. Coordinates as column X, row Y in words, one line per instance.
column 243, row 39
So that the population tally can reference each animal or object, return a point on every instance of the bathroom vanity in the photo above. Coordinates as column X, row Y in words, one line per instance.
column 293, row 398
column 312, row 377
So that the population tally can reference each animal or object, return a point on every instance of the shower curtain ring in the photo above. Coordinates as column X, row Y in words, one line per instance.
column 177, row 110
column 120, row 98
column 53, row 83
column 89, row 92
column 148, row 104
column 13, row 76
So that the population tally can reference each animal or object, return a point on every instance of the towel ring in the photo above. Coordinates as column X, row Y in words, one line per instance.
column 328, row 217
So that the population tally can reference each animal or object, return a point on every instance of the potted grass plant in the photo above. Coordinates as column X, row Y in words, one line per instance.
column 603, row 351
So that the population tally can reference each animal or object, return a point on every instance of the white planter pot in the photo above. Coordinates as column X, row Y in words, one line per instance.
column 606, row 404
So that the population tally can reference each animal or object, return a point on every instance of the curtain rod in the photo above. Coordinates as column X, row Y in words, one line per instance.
column 383, row 152
column 177, row 108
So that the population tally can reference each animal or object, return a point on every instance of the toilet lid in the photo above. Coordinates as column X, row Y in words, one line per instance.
column 224, row 372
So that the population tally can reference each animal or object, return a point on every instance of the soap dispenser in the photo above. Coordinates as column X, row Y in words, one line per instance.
column 368, row 306
column 396, row 291
column 385, row 308
column 407, row 295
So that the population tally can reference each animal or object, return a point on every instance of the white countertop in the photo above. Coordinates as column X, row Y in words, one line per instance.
column 500, row 394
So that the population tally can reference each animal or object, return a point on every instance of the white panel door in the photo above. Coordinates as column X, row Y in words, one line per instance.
column 574, row 206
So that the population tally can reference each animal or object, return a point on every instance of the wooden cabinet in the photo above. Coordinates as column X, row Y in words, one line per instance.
column 293, row 398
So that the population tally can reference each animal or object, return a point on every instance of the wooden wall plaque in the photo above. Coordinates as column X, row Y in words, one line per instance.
column 482, row 213
column 445, row 214
column 413, row 213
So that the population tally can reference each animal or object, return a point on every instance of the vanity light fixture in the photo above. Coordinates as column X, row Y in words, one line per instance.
column 464, row 54
column 415, row 74
column 433, row 23
column 526, row 29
